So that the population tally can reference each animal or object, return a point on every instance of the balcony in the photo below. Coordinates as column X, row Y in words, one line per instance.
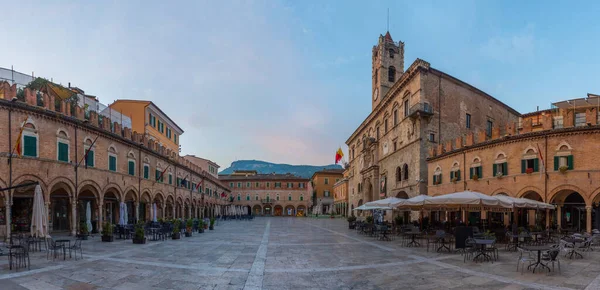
column 420, row 110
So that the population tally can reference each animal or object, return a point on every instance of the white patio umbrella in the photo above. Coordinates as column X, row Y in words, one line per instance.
column 466, row 199
column 39, row 218
column 88, row 216
column 385, row 202
column 154, row 212
column 121, row 213
column 415, row 202
column 366, row 207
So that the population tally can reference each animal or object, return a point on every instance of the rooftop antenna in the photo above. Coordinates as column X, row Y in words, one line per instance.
column 388, row 20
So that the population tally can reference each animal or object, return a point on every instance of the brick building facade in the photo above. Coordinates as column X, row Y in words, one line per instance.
column 411, row 111
column 548, row 156
column 269, row 194
column 123, row 166
column 322, row 182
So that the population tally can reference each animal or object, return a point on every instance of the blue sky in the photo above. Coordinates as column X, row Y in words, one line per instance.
column 289, row 81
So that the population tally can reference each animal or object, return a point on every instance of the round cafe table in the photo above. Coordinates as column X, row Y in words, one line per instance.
column 539, row 250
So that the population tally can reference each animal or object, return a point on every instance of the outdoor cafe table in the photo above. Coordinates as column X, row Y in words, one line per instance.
column 384, row 231
column 481, row 244
column 154, row 232
column 63, row 242
column 413, row 235
column 539, row 250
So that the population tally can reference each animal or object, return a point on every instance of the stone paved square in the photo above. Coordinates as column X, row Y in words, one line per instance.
column 285, row 253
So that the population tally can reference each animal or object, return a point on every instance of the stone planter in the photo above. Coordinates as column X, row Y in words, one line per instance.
column 200, row 230
column 139, row 241
column 108, row 239
column 176, row 236
column 188, row 234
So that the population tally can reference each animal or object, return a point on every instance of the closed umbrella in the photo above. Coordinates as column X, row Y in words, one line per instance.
column 88, row 216
column 154, row 212
column 125, row 214
column 121, row 213
column 39, row 219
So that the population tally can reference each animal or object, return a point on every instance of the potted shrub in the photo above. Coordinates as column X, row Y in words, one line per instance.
column 205, row 223
column 83, row 231
column 200, row 226
column 369, row 219
column 475, row 177
column 107, row 232
column 212, row 224
column 398, row 220
column 454, row 179
column 351, row 222
column 176, row 231
column 139, row 237
column 563, row 169
column 499, row 174
column 188, row 228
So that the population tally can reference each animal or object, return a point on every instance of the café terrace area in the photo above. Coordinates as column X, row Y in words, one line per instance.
column 304, row 253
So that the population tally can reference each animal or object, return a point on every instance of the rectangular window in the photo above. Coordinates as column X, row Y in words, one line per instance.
column 63, row 152
column 239, row 185
column 231, row 184
column 175, row 138
column 431, row 137
column 475, row 171
column 488, row 129
column 157, row 175
column 146, row 171
column 406, row 108
column 529, row 165
column 112, row 163
column 247, row 197
column 29, row 146
column 256, row 185
column 90, row 158
column 455, row 175
column 377, row 133
column 289, row 198
column 268, row 184
column 326, row 180
column 239, row 197
column 131, row 167
column 563, row 162
column 277, row 184
column 170, row 178
column 248, row 184
column 500, row 169
column 256, row 197
column 385, row 126
column 301, row 185
column 468, row 121
column 395, row 117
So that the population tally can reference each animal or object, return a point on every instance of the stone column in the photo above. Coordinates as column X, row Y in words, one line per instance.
column 100, row 214
column 173, row 209
column 7, row 206
column 559, row 216
column 74, row 216
column 588, row 219
column 136, row 204
column 164, row 209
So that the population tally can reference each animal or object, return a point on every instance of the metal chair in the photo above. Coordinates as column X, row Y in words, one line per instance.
column 76, row 246
column 524, row 257
column 552, row 257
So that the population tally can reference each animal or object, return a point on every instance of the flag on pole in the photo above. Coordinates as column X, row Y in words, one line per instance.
column 199, row 183
column 163, row 173
column 184, row 182
column 18, row 143
column 338, row 155
column 541, row 158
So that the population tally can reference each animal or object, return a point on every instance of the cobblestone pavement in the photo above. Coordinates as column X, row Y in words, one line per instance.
column 285, row 253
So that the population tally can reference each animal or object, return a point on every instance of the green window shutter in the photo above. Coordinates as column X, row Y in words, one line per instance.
column 170, row 179
column 536, row 165
column 494, row 169
column 30, row 146
column 63, row 152
column 523, row 165
column 451, row 175
column 90, row 158
column 156, row 174
column 570, row 162
column 480, row 171
column 471, row 173
column 112, row 163
column 434, row 179
column 556, row 162
column 457, row 174
column 131, row 168
column 290, row 198
column 440, row 179
column 146, row 171
column 301, row 198
column 505, row 168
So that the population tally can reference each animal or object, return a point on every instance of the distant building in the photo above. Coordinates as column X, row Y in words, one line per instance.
column 146, row 117
column 322, row 182
column 268, row 194
column 340, row 195
column 207, row 165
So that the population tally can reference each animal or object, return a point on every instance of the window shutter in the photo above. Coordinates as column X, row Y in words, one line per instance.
column 434, row 179
column 494, row 169
column 523, row 165
column 570, row 162
column 471, row 173
column 440, row 179
column 30, row 146
column 63, row 152
column 535, row 165
column 451, row 175
column 131, row 168
column 457, row 174
column 171, row 180
column 505, row 168
column 480, row 172
column 556, row 162
column 90, row 158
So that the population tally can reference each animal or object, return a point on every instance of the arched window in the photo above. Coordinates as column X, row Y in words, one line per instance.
column 131, row 163
column 563, row 158
column 398, row 174
column 112, row 158
column 437, row 176
column 301, row 197
column 247, row 196
column 277, row 196
column 475, row 171
column 62, row 146
column 405, row 171
column 392, row 74
column 89, row 149
column 239, row 197
column 391, row 53
column 500, row 166
column 289, row 197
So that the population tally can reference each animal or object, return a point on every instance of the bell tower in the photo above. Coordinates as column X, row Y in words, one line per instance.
column 388, row 66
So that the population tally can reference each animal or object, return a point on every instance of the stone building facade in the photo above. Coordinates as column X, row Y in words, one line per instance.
column 340, row 195
column 322, row 182
column 122, row 166
column 388, row 151
column 205, row 164
column 269, row 194
column 549, row 157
